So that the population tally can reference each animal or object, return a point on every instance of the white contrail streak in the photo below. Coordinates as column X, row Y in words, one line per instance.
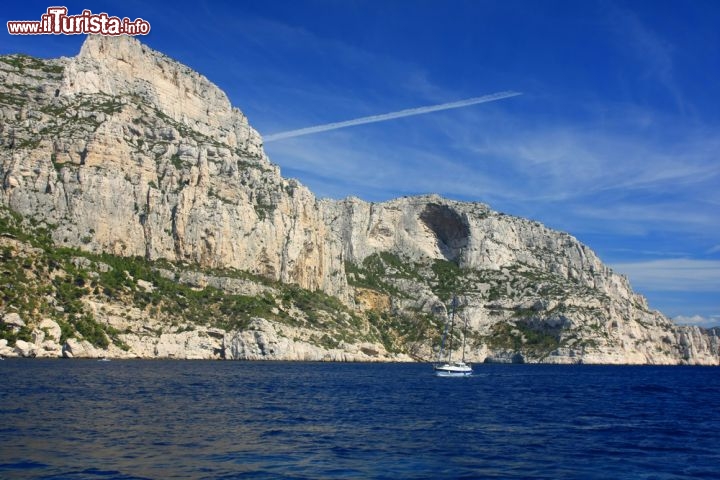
column 389, row 116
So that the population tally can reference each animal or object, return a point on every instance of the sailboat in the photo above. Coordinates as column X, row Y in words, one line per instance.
column 448, row 367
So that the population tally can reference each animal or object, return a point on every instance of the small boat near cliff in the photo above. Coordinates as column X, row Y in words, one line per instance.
column 446, row 367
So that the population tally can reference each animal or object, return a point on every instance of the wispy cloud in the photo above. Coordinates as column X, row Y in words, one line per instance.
column 582, row 175
column 642, row 216
column 673, row 275
column 650, row 49
column 699, row 320
column 337, row 165
column 585, row 158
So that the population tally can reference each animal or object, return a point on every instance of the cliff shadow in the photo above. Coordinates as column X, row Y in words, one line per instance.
column 451, row 229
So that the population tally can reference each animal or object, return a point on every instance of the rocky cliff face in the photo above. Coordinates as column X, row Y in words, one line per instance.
column 123, row 151
column 527, row 293
column 129, row 152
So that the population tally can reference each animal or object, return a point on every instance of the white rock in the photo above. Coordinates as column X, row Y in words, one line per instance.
column 51, row 328
column 38, row 336
column 5, row 350
column 13, row 320
column 75, row 348
column 145, row 285
column 25, row 349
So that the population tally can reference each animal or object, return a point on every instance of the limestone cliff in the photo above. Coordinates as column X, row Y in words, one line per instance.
column 127, row 151
column 528, row 293
column 121, row 152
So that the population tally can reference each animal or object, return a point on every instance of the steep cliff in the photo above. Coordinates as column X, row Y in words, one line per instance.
column 122, row 153
column 127, row 151
column 527, row 293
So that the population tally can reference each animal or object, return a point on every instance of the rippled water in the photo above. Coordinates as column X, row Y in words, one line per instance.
column 183, row 419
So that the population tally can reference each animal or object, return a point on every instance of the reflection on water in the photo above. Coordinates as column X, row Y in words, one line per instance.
column 184, row 419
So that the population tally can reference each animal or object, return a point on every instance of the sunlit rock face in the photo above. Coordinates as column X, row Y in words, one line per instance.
column 130, row 152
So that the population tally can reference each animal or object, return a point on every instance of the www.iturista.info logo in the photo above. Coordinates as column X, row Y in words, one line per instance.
column 56, row 21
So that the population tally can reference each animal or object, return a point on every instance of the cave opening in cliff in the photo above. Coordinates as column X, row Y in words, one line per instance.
column 449, row 227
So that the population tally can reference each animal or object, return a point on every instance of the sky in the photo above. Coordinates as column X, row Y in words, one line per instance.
column 615, row 138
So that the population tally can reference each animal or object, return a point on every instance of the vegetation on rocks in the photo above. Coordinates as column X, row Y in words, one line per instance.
column 41, row 280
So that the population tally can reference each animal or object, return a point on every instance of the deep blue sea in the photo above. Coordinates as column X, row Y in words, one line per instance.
column 82, row 419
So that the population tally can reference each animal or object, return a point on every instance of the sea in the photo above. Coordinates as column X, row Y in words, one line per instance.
column 149, row 419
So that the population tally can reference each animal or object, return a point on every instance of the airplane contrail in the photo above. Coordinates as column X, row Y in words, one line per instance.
column 389, row 116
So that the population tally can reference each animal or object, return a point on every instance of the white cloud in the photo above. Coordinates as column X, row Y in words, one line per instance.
column 575, row 161
column 663, row 215
column 377, row 170
column 673, row 275
column 582, row 178
column 699, row 320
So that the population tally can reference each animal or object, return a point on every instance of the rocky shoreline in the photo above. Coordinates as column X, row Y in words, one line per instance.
column 259, row 342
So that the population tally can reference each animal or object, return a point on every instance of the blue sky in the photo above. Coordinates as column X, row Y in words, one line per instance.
column 616, row 138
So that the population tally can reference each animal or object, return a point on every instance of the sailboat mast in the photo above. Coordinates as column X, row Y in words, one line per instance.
column 450, row 368
column 442, row 343
column 452, row 330
column 464, row 336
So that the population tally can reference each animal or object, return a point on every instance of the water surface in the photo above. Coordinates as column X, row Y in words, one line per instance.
column 80, row 419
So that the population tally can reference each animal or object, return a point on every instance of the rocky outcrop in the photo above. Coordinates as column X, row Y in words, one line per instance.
column 470, row 234
column 264, row 340
column 129, row 152
column 123, row 68
column 528, row 293
column 121, row 150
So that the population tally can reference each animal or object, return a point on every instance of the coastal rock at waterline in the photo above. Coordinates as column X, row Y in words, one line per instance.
column 49, row 349
column 5, row 350
column 46, row 340
column 505, row 357
column 262, row 342
column 25, row 349
column 697, row 346
column 266, row 340
column 74, row 348
column 199, row 344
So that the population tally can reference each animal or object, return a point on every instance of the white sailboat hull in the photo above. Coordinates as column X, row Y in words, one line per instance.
column 455, row 369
